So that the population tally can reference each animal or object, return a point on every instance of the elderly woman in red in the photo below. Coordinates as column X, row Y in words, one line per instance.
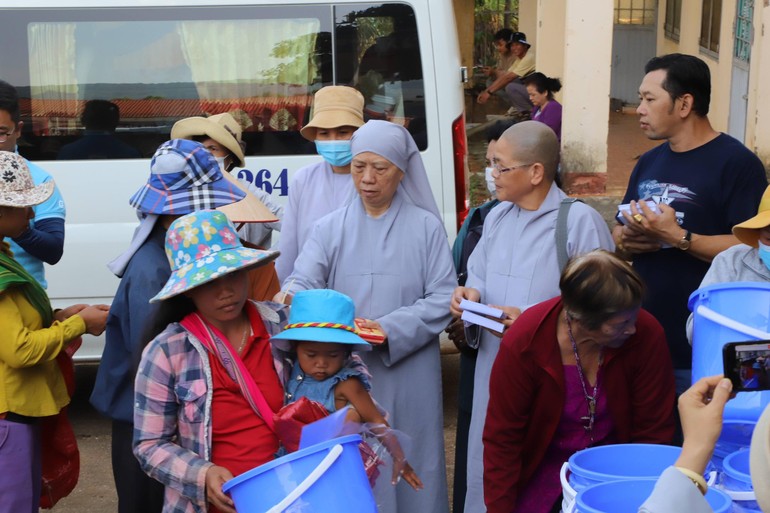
column 587, row 368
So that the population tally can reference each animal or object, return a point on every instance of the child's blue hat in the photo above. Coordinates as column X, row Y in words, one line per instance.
column 321, row 315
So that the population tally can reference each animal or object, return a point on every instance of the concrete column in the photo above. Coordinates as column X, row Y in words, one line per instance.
column 760, row 69
column 464, row 20
column 585, row 124
column 528, row 15
column 549, row 44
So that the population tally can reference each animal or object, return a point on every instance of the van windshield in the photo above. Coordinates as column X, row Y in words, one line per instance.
column 110, row 83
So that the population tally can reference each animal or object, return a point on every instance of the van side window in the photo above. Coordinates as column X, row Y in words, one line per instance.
column 150, row 67
column 389, row 71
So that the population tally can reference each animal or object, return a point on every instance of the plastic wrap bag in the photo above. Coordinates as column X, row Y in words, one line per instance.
column 290, row 420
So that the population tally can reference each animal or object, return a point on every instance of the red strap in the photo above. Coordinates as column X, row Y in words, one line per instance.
column 218, row 344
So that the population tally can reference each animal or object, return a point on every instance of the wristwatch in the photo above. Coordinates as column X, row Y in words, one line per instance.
column 684, row 243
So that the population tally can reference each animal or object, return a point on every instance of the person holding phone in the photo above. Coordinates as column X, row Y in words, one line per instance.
column 681, row 487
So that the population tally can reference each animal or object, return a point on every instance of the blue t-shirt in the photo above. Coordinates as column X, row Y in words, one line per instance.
column 53, row 207
column 712, row 188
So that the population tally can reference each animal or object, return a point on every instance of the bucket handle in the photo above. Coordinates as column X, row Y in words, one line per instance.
column 565, row 482
column 309, row 481
column 712, row 478
column 738, row 495
column 711, row 315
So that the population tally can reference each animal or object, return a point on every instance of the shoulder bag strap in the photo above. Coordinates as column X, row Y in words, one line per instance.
column 561, row 232
column 218, row 344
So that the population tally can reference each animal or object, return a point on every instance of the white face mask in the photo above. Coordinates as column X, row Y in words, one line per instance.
column 490, row 180
column 221, row 162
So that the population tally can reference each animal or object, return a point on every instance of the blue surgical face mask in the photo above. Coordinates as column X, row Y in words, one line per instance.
column 490, row 180
column 336, row 153
column 764, row 254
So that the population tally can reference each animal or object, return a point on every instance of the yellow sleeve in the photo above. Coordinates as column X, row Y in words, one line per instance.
column 24, row 340
column 524, row 66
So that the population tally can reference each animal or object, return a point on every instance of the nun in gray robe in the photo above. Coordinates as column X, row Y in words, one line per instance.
column 392, row 257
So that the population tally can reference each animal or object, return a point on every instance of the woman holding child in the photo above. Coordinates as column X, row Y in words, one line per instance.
column 586, row 368
column 209, row 382
column 388, row 251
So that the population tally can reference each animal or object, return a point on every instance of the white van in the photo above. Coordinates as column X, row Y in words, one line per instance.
column 261, row 60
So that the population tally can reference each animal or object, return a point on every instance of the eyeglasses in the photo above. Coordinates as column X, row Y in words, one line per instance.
column 5, row 135
column 496, row 167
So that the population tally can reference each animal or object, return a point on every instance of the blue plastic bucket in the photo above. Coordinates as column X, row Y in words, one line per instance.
column 729, row 312
column 736, row 435
column 736, row 482
column 618, row 462
column 627, row 496
column 324, row 478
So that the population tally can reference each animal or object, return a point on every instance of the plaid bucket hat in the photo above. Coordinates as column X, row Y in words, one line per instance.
column 16, row 186
column 184, row 177
column 202, row 247
column 321, row 315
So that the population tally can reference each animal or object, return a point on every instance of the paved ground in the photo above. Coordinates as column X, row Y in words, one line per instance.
column 95, row 492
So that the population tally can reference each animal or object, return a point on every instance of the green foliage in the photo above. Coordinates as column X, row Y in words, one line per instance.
column 491, row 16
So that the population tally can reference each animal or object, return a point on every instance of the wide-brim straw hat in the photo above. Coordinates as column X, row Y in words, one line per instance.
column 249, row 210
column 321, row 315
column 759, row 460
column 334, row 107
column 202, row 247
column 17, row 189
column 184, row 177
column 223, row 128
column 748, row 231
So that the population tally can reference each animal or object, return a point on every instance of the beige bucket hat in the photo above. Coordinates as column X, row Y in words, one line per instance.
column 748, row 231
column 333, row 107
column 249, row 210
column 16, row 186
column 223, row 128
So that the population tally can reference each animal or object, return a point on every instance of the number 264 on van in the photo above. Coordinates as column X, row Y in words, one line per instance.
column 262, row 179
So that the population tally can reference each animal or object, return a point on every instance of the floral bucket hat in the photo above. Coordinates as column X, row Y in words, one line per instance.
column 184, row 178
column 16, row 186
column 202, row 247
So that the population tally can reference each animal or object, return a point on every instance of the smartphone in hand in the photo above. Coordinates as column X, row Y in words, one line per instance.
column 747, row 365
column 372, row 335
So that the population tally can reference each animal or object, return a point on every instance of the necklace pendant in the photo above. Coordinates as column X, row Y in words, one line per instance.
column 592, row 407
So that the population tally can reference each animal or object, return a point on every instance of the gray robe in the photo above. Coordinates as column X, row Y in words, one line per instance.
column 515, row 264
column 398, row 270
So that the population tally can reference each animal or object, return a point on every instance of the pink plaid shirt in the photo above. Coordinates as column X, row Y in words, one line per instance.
column 172, row 410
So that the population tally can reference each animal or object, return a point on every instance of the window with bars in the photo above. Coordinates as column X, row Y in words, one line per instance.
column 673, row 19
column 744, row 14
column 711, row 19
column 635, row 12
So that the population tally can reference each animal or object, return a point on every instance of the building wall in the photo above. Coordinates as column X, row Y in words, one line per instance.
column 757, row 135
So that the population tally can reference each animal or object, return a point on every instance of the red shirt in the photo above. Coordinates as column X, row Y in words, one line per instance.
column 241, row 440
column 527, row 393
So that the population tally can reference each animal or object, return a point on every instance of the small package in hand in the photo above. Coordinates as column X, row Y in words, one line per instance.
column 372, row 335
column 626, row 207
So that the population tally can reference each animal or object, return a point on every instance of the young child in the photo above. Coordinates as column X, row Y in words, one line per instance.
column 322, row 334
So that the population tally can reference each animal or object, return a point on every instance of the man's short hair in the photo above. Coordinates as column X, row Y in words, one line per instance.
column 495, row 130
column 101, row 115
column 505, row 34
column 9, row 101
column 685, row 74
